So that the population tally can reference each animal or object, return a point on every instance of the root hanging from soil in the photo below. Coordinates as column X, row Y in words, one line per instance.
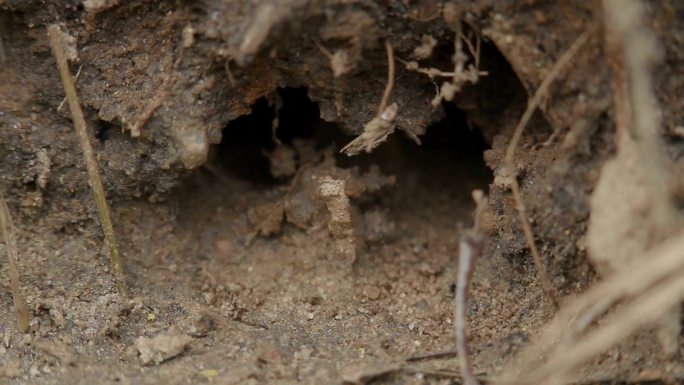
column 89, row 156
column 509, row 164
column 379, row 128
column 460, row 75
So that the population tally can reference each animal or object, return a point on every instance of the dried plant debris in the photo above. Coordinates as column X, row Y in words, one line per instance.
column 21, row 312
column 374, row 132
column 461, row 74
column 61, row 56
column 162, row 347
column 379, row 128
column 340, row 224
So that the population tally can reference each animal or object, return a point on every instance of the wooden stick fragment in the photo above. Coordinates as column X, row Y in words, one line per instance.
column 509, row 164
column 88, row 154
column 21, row 312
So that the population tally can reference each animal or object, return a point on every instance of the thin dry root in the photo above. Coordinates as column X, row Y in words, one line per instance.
column 91, row 163
column 379, row 128
column 21, row 312
column 390, row 78
column 509, row 165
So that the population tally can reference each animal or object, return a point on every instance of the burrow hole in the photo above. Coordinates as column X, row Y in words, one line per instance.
column 437, row 175
column 434, row 180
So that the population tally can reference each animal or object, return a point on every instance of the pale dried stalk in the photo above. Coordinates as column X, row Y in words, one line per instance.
column 471, row 247
column 88, row 154
column 509, row 164
column 21, row 312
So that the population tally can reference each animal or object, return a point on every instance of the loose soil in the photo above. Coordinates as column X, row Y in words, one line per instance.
column 235, row 275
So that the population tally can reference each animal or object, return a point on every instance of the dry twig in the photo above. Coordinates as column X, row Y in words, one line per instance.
column 509, row 164
column 21, row 312
column 88, row 154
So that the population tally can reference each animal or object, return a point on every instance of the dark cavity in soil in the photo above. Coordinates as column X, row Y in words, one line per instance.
column 448, row 160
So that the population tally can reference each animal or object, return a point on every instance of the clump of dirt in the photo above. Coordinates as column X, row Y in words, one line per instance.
column 255, row 251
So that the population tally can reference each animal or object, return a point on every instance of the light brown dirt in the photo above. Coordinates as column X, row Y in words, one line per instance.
column 231, row 262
